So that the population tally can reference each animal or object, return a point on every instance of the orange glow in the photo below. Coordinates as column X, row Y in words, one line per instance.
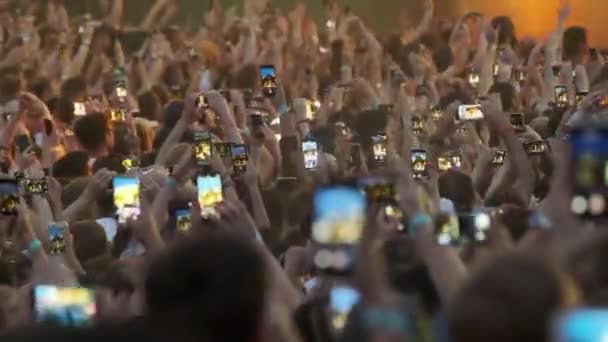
column 538, row 18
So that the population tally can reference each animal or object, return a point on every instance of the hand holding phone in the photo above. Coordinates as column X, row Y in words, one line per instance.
column 209, row 193
column 183, row 221
column 269, row 82
column 56, row 237
column 339, row 215
column 239, row 158
column 419, row 163
column 379, row 147
column 67, row 306
column 470, row 112
column 310, row 149
column 517, row 121
column 202, row 148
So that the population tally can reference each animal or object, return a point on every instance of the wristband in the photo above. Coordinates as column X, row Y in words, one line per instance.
column 170, row 181
column 283, row 109
column 34, row 246
column 418, row 221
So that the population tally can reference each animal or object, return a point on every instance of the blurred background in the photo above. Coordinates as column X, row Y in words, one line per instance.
column 534, row 18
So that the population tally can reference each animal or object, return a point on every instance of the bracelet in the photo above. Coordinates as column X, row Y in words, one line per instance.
column 170, row 181
column 418, row 221
column 390, row 320
column 34, row 246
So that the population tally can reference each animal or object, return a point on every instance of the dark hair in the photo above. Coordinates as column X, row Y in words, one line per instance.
column 506, row 34
column 443, row 57
column 149, row 105
column 63, row 110
column 91, row 131
column 574, row 37
column 494, row 307
column 507, row 95
column 91, row 247
column 74, row 88
column 112, row 162
column 457, row 187
column 213, row 287
column 73, row 165
column 11, row 81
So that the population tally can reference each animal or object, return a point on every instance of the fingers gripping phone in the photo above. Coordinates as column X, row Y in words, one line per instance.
column 209, row 193
column 67, row 306
column 310, row 149
column 126, row 191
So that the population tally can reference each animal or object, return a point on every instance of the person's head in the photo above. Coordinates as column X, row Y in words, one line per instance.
column 63, row 111
column 508, row 96
column 11, row 83
column 209, row 53
column 512, row 298
column 506, row 33
column 576, row 48
column 213, row 288
column 94, row 133
column 73, row 165
column 74, row 89
column 41, row 87
column 91, row 247
column 149, row 106
column 443, row 57
column 457, row 187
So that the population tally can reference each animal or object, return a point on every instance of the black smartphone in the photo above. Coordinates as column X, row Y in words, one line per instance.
column 417, row 125
column 222, row 149
column 560, row 94
column 449, row 160
column 239, row 158
column 419, row 163
column 126, row 192
column 23, row 142
column 202, row 148
column 9, row 196
column 379, row 147
column 517, row 121
column 56, row 237
column 183, row 220
column 475, row 226
column 377, row 188
column 210, row 193
column 557, row 70
column 589, row 155
column 257, row 122
column 36, row 186
column 473, row 77
column 269, row 81
column 536, row 147
column 48, row 127
column 66, row 306
column 310, row 149
column 118, row 115
column 499, row 157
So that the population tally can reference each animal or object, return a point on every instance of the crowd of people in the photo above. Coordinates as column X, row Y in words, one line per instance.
column 269, row 176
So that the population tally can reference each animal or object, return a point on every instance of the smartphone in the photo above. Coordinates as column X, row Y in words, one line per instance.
column 473, row 77
column 417, row 125
column 448, row 161
column 311, row 109
column 23, row 142
column 447, row 230
column 469, row 112
column 183, row 221
column 560, row 94
column 475, row 226
column 130, row 162
column 582, row 324
column 269, row 82
column 310, row 149
column 9, row 196
column 436, row 114
column 518, row 75
column 557, row 70
column 355, row 155
column 201, row 102
column 209, row 193
column 118, row 115
column 239, row 158
column 580, row 96
column 48, row 127
column 419, row 161
column 121, row 90
column 379, row 147
column 338, row 215
column 257, row 122
column 499, row 157
column 126, row 192
column 56, row 237
column 222, row 149
column 536, row 147
column 517, row 121
column 202, row 148
column 67, row 306
column 79, row 109
column 589, row 153
column 342, row 299
column 36, row 186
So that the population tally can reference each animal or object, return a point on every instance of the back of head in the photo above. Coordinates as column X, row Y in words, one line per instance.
column 11, row 82
column 73, row 165
column 457, row 187
column 507, row 95
column 506, row 34
column 74, row 89
column 575, row 39
column 512, row 299
column 214, row 287
column 92, row 130
column 91, row 246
